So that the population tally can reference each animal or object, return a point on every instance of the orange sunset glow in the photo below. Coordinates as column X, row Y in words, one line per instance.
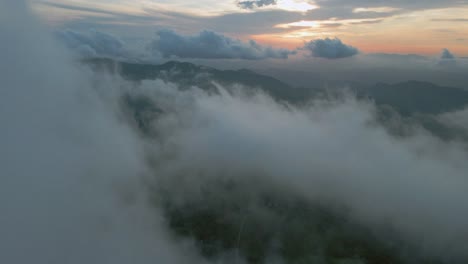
column 374, row 29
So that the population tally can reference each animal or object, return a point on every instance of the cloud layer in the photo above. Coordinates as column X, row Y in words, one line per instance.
column 70, row 170
column 331, row 152
column 95, row 43
column 211, row 45
column 330, row 49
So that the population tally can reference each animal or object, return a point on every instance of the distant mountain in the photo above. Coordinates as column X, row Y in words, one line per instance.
column 413, row 97
column 402, row 108
column 407, row 98
column 187, row 75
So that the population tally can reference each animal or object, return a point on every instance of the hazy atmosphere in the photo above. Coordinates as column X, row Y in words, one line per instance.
column 265, row 131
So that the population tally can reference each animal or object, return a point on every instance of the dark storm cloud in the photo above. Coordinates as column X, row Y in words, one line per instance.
column 210, row 45
column 330, row 48
column 254, row 4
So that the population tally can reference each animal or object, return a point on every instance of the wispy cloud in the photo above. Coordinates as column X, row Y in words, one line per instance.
column 450, row 19
column 384, row 9
column 334, row 16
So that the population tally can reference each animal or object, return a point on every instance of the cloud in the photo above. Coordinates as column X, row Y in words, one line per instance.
column 70, row 170
column 450, row 19
column 330, row 48
column 93, row 43
column 383, row 9
column 250, row 23
column 446, row 55
column 188, row 18
column 207, row 45
column 254, row 4
column 415, row 186
column 210, row 45
column 447, row 59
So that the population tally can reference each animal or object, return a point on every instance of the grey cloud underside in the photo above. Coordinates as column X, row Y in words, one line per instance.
column 210, row 45
column 447, row 59
column 93, row 44
column 167, row 44
column 254, row 4
column 447, row 55
column 330, row 49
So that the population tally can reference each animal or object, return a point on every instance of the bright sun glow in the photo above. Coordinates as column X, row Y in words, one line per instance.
column 294, row 5
column 302, row 23
column 383, row 9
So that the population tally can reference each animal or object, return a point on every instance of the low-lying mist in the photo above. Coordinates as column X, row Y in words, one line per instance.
column 329, row 153
column 70, row 171
column 95, row 169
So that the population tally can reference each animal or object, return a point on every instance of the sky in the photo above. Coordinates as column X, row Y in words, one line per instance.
column 394, row 26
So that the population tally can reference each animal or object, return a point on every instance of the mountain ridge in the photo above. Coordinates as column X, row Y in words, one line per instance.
column 408, row 98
